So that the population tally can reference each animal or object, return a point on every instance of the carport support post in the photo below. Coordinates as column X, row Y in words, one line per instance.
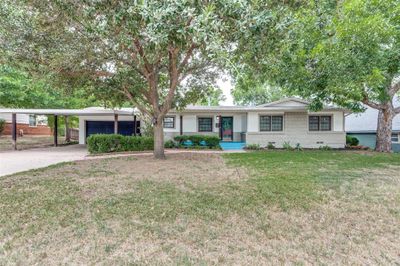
column 134, row 125
column 55, row 130
column 67, row 132
column 181, row 125
column 14, row 131
column 115, row 124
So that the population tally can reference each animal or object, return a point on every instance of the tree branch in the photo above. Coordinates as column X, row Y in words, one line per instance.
column 394, row 88
column 97, row 74
column 139, row 49
column 173, row 79
column 397, row 110
column 188, row 55
column 371, row 104
column 129, row 95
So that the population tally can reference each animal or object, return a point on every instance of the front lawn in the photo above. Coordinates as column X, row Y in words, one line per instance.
column 246, row 208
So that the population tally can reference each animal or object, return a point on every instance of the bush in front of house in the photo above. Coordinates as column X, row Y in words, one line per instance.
column 170, row 144
column 254, row 147
column 199, row 140
column 352, row 141
column 105, row 143
column 2, row 125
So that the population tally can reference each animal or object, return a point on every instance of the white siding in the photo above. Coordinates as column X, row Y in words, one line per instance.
column 295, row 130
column 189, row 123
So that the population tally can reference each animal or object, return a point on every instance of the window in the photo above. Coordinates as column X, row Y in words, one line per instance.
column 205, row 124
column 265, row 123
column 169, row 122
column 271, row 123
column 32, row 121
column 395, row 137
column 320, row 123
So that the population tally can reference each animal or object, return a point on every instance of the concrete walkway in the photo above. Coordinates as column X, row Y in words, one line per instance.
column 17, row 161
column 12, row 162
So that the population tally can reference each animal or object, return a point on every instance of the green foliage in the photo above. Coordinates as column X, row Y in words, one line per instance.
column 345, row 52
column 286, row 145
column 2, row 125
column 325, row 148
column 19, row 89
column 169, row 144
column 250, row 93
column 211, row 141
column 270, row 146
column 253, row 147
column 352, row 141
column 121, row 51
column 104, row 143
column 213, row 97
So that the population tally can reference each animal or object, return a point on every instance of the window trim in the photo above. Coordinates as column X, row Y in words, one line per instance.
column 319, row 122
column 173, row 122
column 270, row 122
column 207, row 117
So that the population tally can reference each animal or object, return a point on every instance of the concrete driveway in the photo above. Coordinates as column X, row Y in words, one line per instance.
column 17, row 161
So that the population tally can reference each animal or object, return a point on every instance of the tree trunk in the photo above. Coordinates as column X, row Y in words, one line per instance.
column 384, row 130
column 159, row 140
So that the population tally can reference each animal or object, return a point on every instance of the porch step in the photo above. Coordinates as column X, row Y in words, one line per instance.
column 227, row 145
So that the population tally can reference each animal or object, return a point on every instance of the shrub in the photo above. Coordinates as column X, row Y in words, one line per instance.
column 352, row 141
column 102, row 143
column 169, row 144
column 270, row 146
column 253, row 147
column 2, row 125
column 211, row 141
column 286, row 145
column 298, row 147
column 325, row 148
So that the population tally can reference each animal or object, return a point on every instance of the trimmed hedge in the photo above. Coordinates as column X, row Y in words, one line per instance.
column 211, row 141
column 352, row 141
column 104, row 143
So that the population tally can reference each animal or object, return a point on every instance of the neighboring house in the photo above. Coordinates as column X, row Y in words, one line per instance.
column 363, row 126
column 288, row 120
column 28, row 124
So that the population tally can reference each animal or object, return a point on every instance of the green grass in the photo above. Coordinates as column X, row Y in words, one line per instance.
column 104, row 204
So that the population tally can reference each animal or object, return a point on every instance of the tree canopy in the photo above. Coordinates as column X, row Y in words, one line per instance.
column 20, row 90
column 213, row 97
column 155, row 55
column 344, row 52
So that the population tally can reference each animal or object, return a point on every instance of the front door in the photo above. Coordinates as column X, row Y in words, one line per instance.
column 227, row 128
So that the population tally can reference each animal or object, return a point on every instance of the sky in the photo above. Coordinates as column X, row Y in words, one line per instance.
column 225, row 85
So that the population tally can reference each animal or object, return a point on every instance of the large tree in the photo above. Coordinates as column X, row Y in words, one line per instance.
column 18, row 89
column 248, row 91
column 156, row 55
column 346, row 52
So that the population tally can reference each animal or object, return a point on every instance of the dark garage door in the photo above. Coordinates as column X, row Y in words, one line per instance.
column 107, row 127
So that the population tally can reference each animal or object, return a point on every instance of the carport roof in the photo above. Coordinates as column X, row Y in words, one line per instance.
column 91, row 111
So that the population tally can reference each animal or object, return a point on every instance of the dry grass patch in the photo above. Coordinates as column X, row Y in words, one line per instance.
column 251, row 208
column 29, row 142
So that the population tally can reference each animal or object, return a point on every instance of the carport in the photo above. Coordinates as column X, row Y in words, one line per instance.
column 115, row 113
